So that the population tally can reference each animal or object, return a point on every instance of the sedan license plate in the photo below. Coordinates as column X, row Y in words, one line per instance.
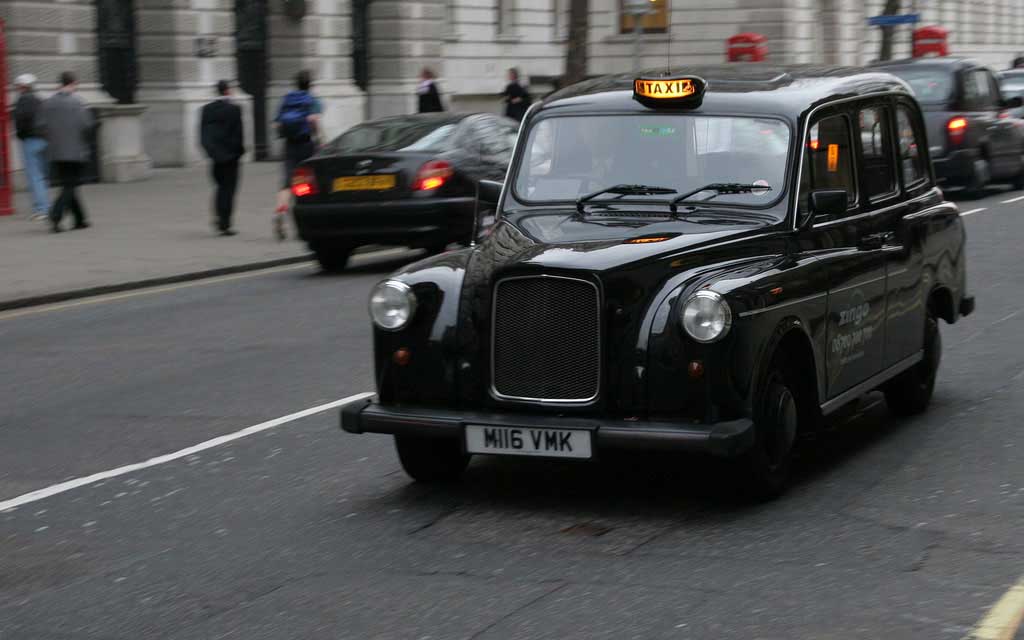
column 527, row 441
column 381, row 182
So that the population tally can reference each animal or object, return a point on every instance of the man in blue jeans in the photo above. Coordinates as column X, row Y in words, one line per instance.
column 29, row 128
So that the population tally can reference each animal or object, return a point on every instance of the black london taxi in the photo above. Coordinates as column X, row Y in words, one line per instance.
column 707, row 260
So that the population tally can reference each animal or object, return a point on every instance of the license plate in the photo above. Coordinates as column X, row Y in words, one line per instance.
column 526, row 441
column 380, row 182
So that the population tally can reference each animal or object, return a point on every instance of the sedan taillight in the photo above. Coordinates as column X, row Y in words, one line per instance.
column 957, row 128
column 304, row 182
column 432, row 175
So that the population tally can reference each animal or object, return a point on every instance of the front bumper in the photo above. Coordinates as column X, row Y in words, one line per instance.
column 388, row 222
column 724, row 439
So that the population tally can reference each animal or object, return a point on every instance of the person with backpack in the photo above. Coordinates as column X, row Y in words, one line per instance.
column 517, row 98
column 28, row 125
column 298, row 122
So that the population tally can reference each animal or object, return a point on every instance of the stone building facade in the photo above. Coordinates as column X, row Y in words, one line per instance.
column 185, row 46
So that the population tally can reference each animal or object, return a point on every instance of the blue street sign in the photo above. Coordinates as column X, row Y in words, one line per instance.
column 891, row 21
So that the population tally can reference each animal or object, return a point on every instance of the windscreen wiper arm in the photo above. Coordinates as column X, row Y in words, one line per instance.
column 624, row 190
column 721, row 189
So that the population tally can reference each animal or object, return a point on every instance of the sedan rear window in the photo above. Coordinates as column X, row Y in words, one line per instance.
column 931, row 86
column 395, row 136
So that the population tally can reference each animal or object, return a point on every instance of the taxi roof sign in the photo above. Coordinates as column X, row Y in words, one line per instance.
column 683, row 91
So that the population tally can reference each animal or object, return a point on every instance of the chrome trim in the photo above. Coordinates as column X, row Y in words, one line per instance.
column 803, row 144
column 871, row 383
column 710, row 295
column 876, row 212
column 754, row 312
column 858, row 284
column 497, row 395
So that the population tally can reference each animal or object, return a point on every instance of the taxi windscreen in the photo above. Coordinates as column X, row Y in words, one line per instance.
column 569, row 156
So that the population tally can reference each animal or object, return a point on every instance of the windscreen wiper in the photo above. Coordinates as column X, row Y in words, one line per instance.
column 625, row 190
column 721, row 189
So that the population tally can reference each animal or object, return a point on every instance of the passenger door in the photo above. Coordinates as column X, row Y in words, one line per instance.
column 905, row 299
column 853, row 260
column 989, row 131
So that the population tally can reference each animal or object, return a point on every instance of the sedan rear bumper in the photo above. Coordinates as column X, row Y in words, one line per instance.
column 416, row 221
column 724, row 439
column 956, row 169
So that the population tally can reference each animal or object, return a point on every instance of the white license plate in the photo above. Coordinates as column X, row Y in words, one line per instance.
column 526, row 441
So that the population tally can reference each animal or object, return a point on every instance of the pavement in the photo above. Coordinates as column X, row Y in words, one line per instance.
column 292, row 529
column 158, row 229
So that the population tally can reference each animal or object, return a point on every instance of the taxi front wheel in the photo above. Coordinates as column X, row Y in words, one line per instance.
column 763, row 472
column 431, row 460
column 911, row 392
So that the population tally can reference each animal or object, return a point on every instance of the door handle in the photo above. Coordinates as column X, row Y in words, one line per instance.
column 875, row 240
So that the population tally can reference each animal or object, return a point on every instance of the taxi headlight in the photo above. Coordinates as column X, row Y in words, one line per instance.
column 706, row 317
column 392, row 305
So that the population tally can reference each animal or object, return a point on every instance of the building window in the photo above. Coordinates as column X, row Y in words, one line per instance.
column 656, row 20
column 506, row 10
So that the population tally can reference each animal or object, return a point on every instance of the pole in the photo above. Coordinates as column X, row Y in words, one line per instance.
column 6, row 189
column 637, row 33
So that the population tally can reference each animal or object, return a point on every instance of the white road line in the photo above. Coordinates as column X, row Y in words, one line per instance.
column 1012, row 200
column 75, row 483
column 972, row 211
column 1004, row 618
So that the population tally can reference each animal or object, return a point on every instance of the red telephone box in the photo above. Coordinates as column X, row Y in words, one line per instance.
column 747, row 47
column 6, row 189
column 931, row 40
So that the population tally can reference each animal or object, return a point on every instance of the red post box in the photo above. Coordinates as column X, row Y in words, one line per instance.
column 747, row 47
column 6, row 188
column 931, row 40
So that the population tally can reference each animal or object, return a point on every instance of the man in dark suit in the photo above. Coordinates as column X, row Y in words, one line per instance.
column 221, row 137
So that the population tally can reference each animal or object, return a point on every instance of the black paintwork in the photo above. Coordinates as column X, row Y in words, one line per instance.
column 402, row 216
column 992, row 145
column 790, row 289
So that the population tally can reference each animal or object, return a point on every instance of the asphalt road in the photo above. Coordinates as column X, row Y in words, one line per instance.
column 895, row 529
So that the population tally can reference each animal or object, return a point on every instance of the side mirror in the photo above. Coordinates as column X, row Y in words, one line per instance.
column 489, row 191
column 825, row 202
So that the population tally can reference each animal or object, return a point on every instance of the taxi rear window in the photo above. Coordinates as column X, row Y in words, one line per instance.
column 569, row 156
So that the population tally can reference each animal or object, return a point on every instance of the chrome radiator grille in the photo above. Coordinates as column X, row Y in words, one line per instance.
column 547, row 339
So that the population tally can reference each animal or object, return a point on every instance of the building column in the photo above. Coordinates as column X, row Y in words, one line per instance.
column 405, row 36
column 185, row 47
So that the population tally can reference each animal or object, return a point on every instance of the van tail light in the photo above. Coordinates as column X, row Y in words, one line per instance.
column 304, row 183
column 432, row 175
column 957, row 128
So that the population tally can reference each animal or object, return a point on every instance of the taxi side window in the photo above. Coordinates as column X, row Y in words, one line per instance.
column 911, row 159
column 828, row 160
column 876, row 150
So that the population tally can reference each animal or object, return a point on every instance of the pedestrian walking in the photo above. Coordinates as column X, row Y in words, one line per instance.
column 517, row 98
column 28, row 126
column 427, row 92
column 298, row 123
column 221, row 135
column 68, row 124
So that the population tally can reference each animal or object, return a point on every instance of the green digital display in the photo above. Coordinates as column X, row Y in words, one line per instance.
column 657, row 131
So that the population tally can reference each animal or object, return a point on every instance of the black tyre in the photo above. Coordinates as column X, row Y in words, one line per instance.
column 1018, row 182
column 785, row 408
column 332, row 258
column 979, row 179
column 431, row 460
column 910, row 392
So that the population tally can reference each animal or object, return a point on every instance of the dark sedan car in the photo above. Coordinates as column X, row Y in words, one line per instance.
column 972, row 139
column 407, row 180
